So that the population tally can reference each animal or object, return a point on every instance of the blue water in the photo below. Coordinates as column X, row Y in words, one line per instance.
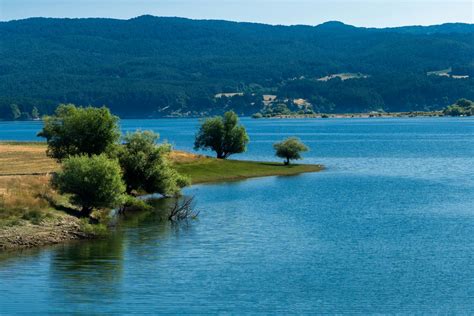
column 388, row 227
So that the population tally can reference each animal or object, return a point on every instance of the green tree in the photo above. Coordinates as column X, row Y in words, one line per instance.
column 15, row 112
column 92, row 182
column 75, row 130
column 146, row 167
column 35, row 113
column 461, row 107
column 290, row 149
column 223, row 135
column 464, row 103
column 453, row 110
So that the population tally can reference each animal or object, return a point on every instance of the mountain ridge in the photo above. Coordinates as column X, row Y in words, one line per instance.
column 454, row 26
column 160, row 66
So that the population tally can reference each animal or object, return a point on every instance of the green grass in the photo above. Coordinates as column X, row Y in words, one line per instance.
column 207, row 170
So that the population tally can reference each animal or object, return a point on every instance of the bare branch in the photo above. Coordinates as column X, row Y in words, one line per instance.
column 182, row 210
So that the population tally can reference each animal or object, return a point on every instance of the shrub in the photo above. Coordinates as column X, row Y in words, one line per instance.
column 146, row 167
column 290, row 149
column 461, row 107
column 92, row 182
column 93, row 230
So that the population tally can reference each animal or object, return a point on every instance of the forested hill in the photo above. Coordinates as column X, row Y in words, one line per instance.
column 156, row 66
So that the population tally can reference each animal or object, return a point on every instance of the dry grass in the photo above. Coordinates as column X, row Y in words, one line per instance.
column 23, row 159
column 23, row 197
column 31, row 159
column 178, row 156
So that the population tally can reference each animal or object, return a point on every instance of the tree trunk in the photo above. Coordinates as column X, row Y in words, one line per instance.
column 287, row 161
column 86, row 211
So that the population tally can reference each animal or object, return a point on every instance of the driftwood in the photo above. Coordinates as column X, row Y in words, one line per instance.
column 182, row 210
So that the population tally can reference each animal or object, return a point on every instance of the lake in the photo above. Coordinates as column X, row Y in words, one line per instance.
column 388, row 227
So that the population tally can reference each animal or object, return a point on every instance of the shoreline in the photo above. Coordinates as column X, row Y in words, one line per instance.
column 355, row 115
column 26, row 235
column 407, row 114
column 56, row 227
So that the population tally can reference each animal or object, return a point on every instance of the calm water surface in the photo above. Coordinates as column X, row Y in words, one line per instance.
column 388, row 227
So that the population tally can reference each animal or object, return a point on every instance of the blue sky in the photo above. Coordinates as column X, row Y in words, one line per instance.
column 376, row 13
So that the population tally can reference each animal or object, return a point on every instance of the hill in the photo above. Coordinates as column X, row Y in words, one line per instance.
column 156, row 66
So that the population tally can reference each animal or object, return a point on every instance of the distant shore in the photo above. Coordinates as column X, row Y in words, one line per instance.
column 25, row 172
column 354, row 115
column 293, row 115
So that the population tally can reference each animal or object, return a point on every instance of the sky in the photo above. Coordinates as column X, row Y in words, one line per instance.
column 368, row 13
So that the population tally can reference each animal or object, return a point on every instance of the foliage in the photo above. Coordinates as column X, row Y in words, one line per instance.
column 92, row 182
column 93, row 230
column 146, row 167
column 290, row 149
column 50, row 61
column 461, row 107
column 223, row 135
column 75, row 131
column 134, row 204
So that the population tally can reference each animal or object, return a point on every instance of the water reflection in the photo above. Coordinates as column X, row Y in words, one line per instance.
column 86, row 271
column 88, row 268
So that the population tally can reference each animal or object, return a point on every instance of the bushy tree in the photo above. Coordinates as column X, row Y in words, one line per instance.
column 76, row 130
column 453, row 110
column 92, row 182
column 461, row 107
column 223, row 135
column 290, row 149
column 146, row 166
column 464, row 103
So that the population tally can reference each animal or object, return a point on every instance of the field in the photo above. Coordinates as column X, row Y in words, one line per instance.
column 24, row 159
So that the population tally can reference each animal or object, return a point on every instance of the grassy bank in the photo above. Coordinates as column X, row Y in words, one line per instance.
column 205, row 170
column 28, row 217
